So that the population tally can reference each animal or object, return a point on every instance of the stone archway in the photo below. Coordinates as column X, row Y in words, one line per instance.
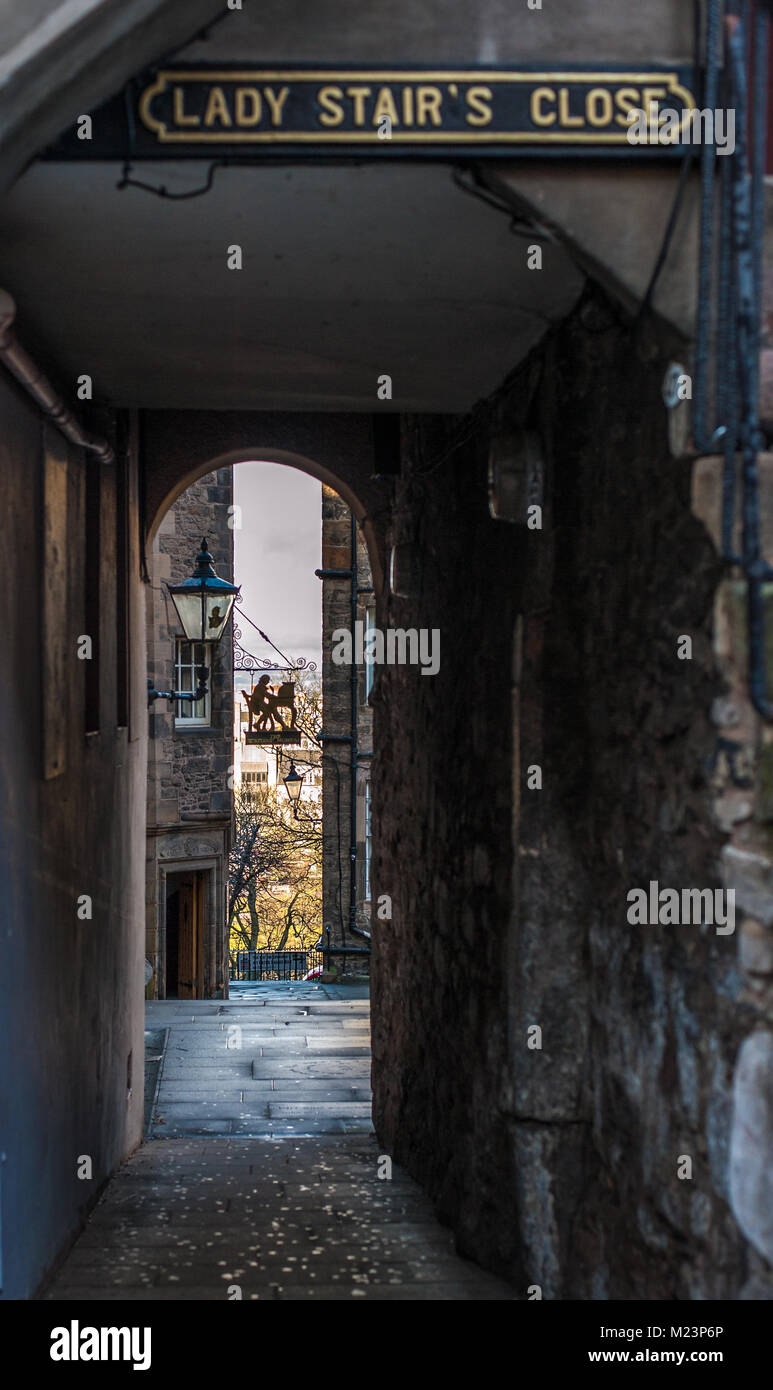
column 351, row 571
column 177, row 448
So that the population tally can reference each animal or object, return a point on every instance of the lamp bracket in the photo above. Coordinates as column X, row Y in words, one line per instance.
column 194, row 696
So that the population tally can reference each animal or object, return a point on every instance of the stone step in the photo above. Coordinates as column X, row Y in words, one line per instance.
column 322, row 1068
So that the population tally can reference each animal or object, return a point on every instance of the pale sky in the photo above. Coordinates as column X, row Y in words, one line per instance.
column 276, row 551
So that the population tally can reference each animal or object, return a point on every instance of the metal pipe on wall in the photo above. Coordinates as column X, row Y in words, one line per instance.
column 353, row 746
column 355, row 753
column 36, row 384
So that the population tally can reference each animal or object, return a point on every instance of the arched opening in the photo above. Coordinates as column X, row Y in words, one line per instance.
column 245, row 883
column 229, row 458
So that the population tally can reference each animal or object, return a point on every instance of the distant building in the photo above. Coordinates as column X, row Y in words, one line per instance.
column 347, row 596
column 190, row 761
column 265, row 765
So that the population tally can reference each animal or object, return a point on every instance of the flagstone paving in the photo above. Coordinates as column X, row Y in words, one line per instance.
column 274, row 1061
column 261, row 1177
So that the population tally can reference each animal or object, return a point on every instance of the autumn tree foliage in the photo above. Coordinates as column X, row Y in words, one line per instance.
column 275, row 871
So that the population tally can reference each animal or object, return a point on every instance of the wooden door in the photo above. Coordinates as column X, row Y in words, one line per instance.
column 201, row 917
column 188, row 940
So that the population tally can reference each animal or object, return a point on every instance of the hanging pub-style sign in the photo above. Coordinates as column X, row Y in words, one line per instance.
column 247, row 112
column 272, row 713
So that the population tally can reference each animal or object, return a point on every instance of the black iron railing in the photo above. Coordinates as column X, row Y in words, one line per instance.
column 266, row 964
column 274, row 965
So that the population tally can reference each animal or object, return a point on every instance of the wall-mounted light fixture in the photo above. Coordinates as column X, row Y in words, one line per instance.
column 405, row 566
column 677, row 398
column 203, row 605
column 515, row 476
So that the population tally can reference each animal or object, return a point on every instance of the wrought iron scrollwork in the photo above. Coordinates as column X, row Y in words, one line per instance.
column 245, row 661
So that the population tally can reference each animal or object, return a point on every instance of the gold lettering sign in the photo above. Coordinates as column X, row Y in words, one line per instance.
column 405, row 108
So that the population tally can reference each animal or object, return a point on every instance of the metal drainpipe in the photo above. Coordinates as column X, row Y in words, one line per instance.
column 21, row 365
column 353, row 750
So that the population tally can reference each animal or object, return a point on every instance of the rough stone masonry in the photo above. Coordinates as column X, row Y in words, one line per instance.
column 562, row 1166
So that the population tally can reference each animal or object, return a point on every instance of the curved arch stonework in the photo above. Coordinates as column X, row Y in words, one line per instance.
column 180, row 447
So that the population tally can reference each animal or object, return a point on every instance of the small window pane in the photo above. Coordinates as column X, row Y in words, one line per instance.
column 370, row 623
column 191, row 655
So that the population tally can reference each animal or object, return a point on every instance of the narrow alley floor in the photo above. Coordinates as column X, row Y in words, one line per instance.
column 273, row 1061
column 261, row 1177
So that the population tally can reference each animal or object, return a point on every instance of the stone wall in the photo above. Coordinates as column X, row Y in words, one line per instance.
column 72, row 819
column 337, row 720
column 562, row 1165
column 742, row 790
column 191, row 766
column 189, row 795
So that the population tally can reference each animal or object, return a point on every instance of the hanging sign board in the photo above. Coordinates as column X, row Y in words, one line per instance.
column 366, row 113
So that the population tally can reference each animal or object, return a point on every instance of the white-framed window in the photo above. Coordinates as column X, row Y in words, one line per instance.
column 261, row 775
column 188, row 657
column 370, row 623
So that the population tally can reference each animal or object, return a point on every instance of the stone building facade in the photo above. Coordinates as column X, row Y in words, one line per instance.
column 347, row 738
column 190, row 761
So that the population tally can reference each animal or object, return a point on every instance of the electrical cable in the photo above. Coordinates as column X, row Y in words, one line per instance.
column 302, row 665
column 519, row 226
column 161, row 191
column 684, row 172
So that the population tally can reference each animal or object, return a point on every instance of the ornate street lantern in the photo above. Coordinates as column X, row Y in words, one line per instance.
column 293, row 782
column 203, row 602
column 203, row 605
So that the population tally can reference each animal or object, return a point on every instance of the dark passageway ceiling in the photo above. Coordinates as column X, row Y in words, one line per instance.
column 349, row 273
